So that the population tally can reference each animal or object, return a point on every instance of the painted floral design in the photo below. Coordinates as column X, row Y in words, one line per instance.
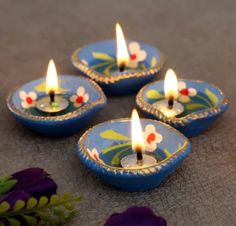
column 185, row 93
column 136, row 54
column 152, row 138
column 80, row 98
column 28, row 99
column 95, row 155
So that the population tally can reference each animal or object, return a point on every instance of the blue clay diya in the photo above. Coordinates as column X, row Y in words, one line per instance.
column 98, row 61
column 102, row 147
column 85, row 99
column 202, row 102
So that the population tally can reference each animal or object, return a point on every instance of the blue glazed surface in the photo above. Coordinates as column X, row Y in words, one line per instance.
column 100, row 146
column 98, row 61
column 65, row 123
column 202, row 108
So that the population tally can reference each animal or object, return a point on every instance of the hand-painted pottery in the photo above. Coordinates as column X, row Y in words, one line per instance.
column 102, row 147
column 98, row 61
column 202, row 102
column 85, row 99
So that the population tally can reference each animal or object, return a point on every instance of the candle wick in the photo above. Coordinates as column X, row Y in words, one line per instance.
column 122, row 67
column 52, row 96
column 139, row 156
column 171, row 102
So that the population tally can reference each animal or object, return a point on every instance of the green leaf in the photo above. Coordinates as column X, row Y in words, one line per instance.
column 6, row 185
column 114, row 147
column 60, row 214
column 153, row 61
column 113, row 135
column 4, row 207
column 153, row 94
column 32, row 202
column 78, row 199
column 43, row 201
column 19, row 205
column 65, row 197
column 54, row 200
column 71, row 215
column 58, row 211
column 44, row 215
column 69, row 206
column 30, row 220
column 167, row 153
column 102, row 56
column 13, row 222
column 213, row 98
column 5, row 178
column 195, row 106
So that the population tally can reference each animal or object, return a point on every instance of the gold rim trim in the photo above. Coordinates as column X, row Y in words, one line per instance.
column 98, row 77
column 67, row 116
column 183, row 120
column 147, row 170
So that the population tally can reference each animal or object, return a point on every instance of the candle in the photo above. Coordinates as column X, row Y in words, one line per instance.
column 139, row 159
column 170, row 106
column 52, row 103
column 120, row 66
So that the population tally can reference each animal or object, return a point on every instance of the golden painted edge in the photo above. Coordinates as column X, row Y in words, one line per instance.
column 98, row 77
column 67, row 116
column 183, row 120
column 143, row 171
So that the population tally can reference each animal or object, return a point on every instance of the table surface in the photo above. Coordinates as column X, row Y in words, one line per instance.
column 198, row 40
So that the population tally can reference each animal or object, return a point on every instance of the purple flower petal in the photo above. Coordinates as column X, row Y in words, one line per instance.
column 34, row 181
column 29, row 177
column 136, row 216
column 3, row 222
column 47, row 187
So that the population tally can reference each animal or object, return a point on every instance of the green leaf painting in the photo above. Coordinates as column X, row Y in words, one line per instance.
column 117, row 157
column 153, row 62
column 113, row 135
column 102, row 56
column 115, row 147
column 153, row 94
column 195, row 106
column 213, row 98
column 107, row 70
column 167, row 153
column 143, row 66
column 42, row 88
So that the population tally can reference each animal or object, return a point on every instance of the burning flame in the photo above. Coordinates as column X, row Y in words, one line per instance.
column 171, row 84
column 122, row 54
column 51, row 79
column 136, row 132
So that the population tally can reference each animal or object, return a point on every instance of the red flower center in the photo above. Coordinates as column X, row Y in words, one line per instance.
column 79, row 100
column 184, row 92
column 29, row 100
column 151, row 137
column 133, row 56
